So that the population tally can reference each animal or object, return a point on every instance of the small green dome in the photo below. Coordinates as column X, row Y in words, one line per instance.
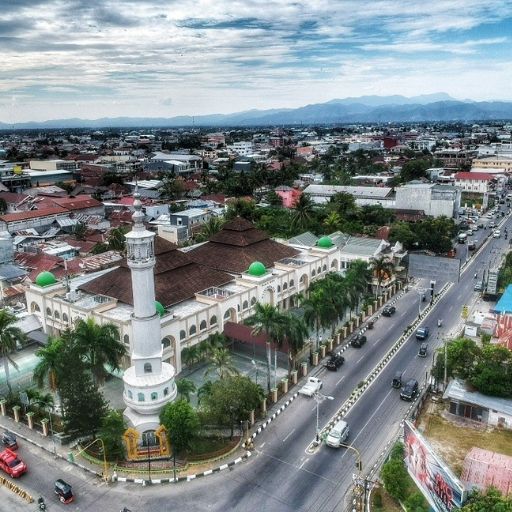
column 45, row 279
column 159, row 308
column 325, row 242
column 256, row 268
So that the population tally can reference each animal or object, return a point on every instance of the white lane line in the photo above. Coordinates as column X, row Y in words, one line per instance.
column 340, row 380
column 262, row 445
column 314, row 408
column 360, row 359
column 284, row 440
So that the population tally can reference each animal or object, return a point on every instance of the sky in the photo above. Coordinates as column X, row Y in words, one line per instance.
column 162, row 58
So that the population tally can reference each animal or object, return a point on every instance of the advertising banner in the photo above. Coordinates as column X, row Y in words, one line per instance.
column 443, row 490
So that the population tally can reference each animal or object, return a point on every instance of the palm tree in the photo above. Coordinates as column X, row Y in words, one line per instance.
column 212, row 226
column 296, row 333
column 99, row 345
column 184, row 388
column 381, row 267
column 47, row 367
column 316, row 311
column 332, row 222
column 357, row 279
column 10, row 335
column 222, row 363
column 304, row 210
column 266, row 320
column 116, row 239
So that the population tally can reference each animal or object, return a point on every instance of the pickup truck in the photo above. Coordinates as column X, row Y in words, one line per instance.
column 311, row 387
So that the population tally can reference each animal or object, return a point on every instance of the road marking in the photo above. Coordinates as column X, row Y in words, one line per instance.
column 340, row 380
column 262, row 445
column 360, row 359
column 288, row 435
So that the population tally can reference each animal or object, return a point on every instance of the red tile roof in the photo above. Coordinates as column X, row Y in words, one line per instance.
column 77, row 203
column 480, row 176
column 33, row 214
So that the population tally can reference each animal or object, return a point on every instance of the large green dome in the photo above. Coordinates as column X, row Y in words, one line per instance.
column 45, row 279
column 256, row 268
column 325, row 242
column 159, row 308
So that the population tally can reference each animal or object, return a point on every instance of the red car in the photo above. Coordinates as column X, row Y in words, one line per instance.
column 11, row 464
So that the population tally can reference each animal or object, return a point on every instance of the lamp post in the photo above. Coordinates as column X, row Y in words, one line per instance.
column 319, row 398
column 255, row 369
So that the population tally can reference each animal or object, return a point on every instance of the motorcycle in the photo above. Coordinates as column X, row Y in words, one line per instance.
column 41, row 504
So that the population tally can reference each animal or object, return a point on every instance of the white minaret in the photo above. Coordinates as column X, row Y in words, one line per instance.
column 148, row 383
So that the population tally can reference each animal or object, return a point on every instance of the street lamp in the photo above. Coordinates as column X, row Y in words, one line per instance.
column 256, row 369
column 319, row 398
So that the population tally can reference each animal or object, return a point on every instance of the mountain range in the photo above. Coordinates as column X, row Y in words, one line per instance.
column 363, row 109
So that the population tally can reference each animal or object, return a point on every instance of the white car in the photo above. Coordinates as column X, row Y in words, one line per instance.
column 312, row 385
column 496, row 234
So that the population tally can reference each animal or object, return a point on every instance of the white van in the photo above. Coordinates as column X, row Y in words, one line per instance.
column 338, row 434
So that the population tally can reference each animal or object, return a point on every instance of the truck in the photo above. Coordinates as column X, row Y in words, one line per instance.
column 312, row 386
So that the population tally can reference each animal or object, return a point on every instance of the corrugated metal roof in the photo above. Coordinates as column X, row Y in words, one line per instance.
column 9, row 272
column 306, row 239
column 504, row 305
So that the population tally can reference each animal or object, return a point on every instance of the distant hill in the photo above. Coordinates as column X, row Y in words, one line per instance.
column 365, row 109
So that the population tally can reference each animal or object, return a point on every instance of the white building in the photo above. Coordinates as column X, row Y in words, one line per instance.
column 242, row 148
column 475, row 182
column 434, row 200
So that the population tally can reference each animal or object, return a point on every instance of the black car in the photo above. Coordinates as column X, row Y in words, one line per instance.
column 9, row 440
column 63, row 491
column 410, row 390
column 397, row 380
column 358, row 341
column 422, row 333
column 388, row 310
column 334, row 362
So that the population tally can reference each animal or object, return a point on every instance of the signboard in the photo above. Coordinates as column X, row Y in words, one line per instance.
column 492, row 282
column 437, row 268
column 442, row 489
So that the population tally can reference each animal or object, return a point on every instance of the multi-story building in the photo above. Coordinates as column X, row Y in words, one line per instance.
column 475, row 182
column 434, row 200
column 242, row 148
column 499, row 164
column 456, row 158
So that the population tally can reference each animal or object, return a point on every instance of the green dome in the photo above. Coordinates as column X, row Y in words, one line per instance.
column 45, row 279
column 325, row 242
column 159, row 308
column 256, row 268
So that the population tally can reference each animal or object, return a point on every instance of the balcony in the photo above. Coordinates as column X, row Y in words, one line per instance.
column 214, row 294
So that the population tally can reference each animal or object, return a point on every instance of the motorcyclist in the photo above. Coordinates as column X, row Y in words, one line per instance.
column 41, row 504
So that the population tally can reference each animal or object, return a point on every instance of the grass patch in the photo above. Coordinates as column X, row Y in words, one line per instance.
column 383, row 502
column 206, row 445
column 452, row 441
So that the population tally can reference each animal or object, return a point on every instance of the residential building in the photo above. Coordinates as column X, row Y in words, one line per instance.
column 474, row 182
column 456, row 158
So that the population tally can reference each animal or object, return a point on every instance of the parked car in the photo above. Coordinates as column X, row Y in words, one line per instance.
column 63, row 491
column 11, row 464
column 422, row 352
column 472, row 245
column 397, row 380
column 388, row 310
column 496, row 234
column 358, row 341
column 422, row 333
column 312, row 385
column 334, row 362
column 338, row 434
column 9, row 440
column 478, row 287
column 410, row 390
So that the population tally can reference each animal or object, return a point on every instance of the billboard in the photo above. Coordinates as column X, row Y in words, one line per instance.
column 443, row 490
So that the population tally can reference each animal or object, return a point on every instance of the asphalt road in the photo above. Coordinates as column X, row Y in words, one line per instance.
column 282, row 476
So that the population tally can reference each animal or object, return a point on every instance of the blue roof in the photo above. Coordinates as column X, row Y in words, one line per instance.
column 504, row 305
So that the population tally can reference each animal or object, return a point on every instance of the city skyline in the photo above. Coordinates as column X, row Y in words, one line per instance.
column 96, row 59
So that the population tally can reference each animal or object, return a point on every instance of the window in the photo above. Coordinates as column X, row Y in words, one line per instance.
column 202, row 325
column 313, row 272
column 48, row 312
column 245, row 305
column 154, row 395
column 292, row 283
column 34, row 307
column 192, row 330
column 183, row 335
column 285, row 286
column 278, row 288
column 148, row 368
column 130, row 394
column 253, row 301
column 140, row 397
column 227, row 314
column 126, row 339
column 319, row 270
column 166, row 391
column 324, row 268
column 64, row 317
column 166, row 342
column 213, row 320
column 56, row 315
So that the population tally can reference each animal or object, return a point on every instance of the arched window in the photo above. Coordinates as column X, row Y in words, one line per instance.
column 48, row 312
column 183, row 335
column 292, row 283
column 130, row 394
column 213, row 320
column 56, row 315
column 285, row 286
column 324, row 268
column 34, row 307
column 313, row 272
column 166, row 342
column 140, row 397
column 202, row 325
column 227, row 314
column 319, row 269
column 166, row 391
column 64, row 317
column 253, row 301
column 126, row 339
column 278, row 288
column 192, row 330
column 154, row 395
column 245, row 305
column 148, row 368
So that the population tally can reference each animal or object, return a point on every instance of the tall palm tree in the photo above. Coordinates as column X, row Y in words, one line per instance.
column 99, row 345
column 267, row 320
column 332, row 222
column 296, row 333
column 184, row 388
column 9, row 335
column 316, row 311
column 382, row 267
column 303, row 212
column 222, row 363
column 212, row 226
column 47, row 367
